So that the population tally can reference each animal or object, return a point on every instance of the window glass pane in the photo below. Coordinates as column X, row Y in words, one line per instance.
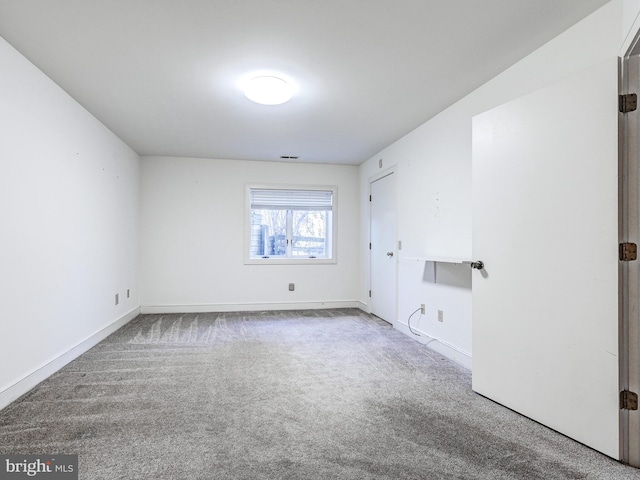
column 309, row 233
column 268, row 233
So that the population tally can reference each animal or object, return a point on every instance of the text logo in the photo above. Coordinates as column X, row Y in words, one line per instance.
column 49, row 467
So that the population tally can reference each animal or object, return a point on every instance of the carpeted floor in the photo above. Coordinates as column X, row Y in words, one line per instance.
column 331, row 394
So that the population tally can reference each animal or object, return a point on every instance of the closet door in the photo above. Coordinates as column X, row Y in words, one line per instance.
column 383, row 248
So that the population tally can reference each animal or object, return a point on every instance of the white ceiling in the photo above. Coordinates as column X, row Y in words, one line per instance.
column 163, row 74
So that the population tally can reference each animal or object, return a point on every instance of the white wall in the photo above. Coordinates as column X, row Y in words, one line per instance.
column 434, row 174
column 193, row 229
column 69, row 194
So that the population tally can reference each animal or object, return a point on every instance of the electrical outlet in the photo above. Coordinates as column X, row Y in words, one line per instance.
column 117, row 299
column 292, row 287
column 422, row 308
column 440, row 316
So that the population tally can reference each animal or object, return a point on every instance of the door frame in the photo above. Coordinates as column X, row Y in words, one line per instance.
column 629, row 272
column 372, row 179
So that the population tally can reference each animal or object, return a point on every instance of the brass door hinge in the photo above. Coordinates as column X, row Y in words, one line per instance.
column 627, row 103
column 628, row 400
column 628, row 252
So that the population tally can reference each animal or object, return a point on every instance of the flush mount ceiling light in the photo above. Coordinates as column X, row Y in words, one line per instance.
column 268, row 90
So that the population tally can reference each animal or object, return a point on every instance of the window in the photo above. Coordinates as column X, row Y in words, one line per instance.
column 289, row 225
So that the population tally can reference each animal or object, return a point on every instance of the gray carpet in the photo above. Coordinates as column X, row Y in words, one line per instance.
column 332, row 394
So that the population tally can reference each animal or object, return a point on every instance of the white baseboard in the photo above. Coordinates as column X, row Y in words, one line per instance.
column 43, row 372
column 364, row 307
column 247, row 307
column 449, row 351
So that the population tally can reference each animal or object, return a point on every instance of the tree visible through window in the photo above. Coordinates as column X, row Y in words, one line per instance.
column 288, row 223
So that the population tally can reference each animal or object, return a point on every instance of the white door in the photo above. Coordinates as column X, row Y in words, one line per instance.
column 545, row 224
column 383, row 248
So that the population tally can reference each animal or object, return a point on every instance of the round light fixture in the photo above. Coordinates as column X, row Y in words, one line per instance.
column 268, row 90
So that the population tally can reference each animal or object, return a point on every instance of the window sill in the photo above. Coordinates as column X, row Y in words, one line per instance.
column 290, row 261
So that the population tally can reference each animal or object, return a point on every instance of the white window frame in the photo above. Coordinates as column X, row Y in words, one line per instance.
column 332, row 228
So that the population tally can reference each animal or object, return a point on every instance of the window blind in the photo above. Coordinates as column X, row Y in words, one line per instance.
column 281, row 199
